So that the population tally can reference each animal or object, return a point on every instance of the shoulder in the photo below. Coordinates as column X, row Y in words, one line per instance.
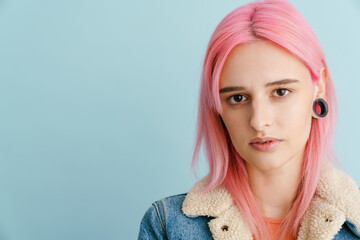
column 173, row 199
column 165, row 217
column 169, row 210
column 172, row 203
column 347, row 231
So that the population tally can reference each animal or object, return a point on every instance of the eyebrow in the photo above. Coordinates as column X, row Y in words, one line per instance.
column 270, row 84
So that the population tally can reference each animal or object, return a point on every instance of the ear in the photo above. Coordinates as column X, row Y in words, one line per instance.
column 320, row 86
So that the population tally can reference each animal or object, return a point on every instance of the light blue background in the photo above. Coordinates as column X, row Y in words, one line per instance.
column 98, row 105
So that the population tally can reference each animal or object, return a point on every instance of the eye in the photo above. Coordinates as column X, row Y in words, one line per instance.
column 282, row 91
column 236, row 98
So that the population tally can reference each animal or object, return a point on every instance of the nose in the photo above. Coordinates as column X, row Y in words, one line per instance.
column 260, row 114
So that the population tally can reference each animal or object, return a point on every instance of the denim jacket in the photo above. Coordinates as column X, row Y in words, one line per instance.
column 334, row 213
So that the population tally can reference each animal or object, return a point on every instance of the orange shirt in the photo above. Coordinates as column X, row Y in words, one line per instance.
column 274, row 224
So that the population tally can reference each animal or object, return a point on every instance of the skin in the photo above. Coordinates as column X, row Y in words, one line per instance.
column 260, row 111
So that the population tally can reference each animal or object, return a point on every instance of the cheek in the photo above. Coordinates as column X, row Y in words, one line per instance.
column 299, row 107
column 298, row 118
column 237, row 126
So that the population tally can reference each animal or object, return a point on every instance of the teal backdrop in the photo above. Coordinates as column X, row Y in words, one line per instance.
column 98, row 106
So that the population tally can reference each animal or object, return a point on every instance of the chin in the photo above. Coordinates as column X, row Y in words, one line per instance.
column 266, row 163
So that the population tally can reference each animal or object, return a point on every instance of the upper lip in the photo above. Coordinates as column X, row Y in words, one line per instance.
column 264, row 139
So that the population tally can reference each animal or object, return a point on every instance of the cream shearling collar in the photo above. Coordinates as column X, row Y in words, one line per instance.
column 337, row 199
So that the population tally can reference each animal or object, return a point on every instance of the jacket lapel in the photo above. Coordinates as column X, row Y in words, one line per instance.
column 336, row 200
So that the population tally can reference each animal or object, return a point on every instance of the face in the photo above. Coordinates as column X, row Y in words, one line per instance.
column 267, row 92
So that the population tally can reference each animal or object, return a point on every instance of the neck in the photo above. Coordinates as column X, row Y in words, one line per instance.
column 274, row 190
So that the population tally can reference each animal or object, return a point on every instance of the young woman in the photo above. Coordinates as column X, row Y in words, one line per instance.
column 267, row 114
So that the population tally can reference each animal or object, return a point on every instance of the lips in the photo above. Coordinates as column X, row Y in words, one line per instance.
column 264, row 140
column 266, row 147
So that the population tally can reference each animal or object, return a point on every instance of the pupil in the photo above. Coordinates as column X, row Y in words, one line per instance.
column 238, row 97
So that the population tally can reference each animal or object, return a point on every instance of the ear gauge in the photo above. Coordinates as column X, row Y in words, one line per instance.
column 323, row 105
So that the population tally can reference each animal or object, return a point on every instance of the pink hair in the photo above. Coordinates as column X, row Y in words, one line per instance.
column 279, row 22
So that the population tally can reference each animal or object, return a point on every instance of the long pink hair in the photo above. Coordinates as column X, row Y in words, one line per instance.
column 277, row 21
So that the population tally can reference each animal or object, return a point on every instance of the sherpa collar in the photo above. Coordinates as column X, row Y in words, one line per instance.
column 336, row 200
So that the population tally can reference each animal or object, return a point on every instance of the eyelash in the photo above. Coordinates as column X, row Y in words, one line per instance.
column 289, row 91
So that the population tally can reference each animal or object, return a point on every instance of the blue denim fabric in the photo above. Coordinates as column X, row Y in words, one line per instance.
column 164, row 219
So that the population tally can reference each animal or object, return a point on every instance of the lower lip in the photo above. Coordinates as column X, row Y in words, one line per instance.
column 266, row 147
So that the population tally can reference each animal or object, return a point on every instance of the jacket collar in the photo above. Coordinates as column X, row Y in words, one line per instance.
column 336, row 200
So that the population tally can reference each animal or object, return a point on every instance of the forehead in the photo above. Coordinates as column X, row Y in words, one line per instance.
column 259, row 63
